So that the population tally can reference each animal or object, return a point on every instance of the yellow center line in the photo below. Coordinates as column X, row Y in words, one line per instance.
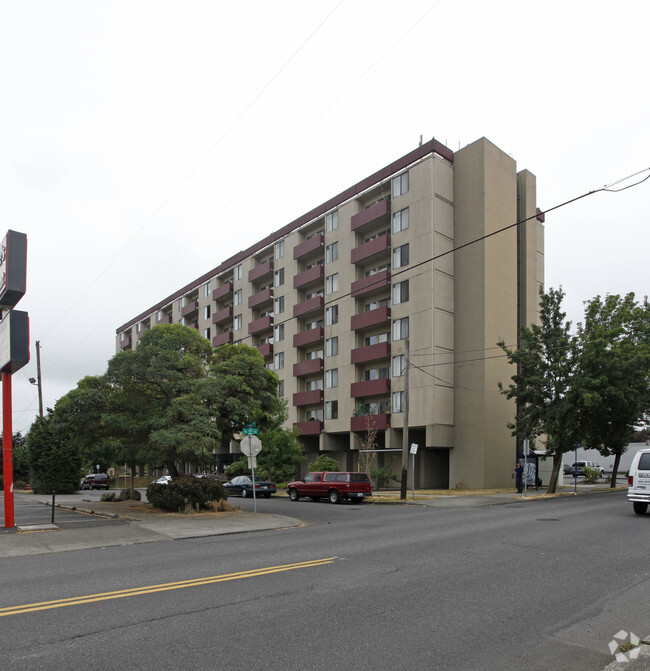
column 163, row 587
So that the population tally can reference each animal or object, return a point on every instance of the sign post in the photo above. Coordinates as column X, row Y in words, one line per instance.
column 251, row 446
column 414, row 451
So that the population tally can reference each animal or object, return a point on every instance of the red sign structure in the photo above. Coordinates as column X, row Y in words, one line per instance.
column 14, row 348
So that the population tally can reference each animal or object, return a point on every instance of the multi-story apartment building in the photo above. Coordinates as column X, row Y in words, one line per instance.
column 407, row 268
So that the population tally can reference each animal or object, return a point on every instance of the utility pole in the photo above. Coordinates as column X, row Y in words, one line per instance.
column 405, row 430
column 38, row 380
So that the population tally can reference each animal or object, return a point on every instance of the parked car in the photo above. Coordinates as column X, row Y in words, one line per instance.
column 581, row 465
column 242, row 485
column 336, row 486
column 638, row 481
column 163, row 480
column 567, row 469
column 95, row 481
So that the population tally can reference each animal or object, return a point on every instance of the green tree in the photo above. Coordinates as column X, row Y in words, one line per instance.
column 282, row 452
column 543, row 384
column 324, row 463
column 613, row 373
column 19, row 457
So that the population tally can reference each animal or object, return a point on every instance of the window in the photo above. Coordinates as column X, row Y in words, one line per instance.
column 401, row 292
column 238, row 272
column 237, row 297
column 332, row 283
column 332, row 252
column 278, row 333
column 281, row 388
column 401, row 329
column 206, row 333
column 332, row 410
column 314, row 385
column 376, row 339
column 373, row 305
column 181, row 302
column 377, row 373
column 206, row 290
column 399, row 365
column 206, row 312
column 278, row 361
column 376, row 407
column 332, row 346
column 236, row 323
column 278, row 250
column 181, row 321
column 331, row 378
column 401, row 256
column 278, row 305
column 373, row 271
column 314, row 415
column 331, row 221
column 278, row 277
column 316, row 354
column 398, row 401
column 331, row 315
column 401, row 220
column 400, row 184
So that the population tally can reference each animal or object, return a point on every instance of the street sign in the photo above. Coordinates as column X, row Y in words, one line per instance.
column 251, row 446
column 414, row 448
column 250, row 431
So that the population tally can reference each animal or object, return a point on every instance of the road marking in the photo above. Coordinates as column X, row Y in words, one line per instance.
column 163, row 587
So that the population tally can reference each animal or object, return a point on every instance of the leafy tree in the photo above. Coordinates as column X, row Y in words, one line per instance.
column 19, row 457
column 54, row 459
column 542, row 386
column 324, row 463
column 613, row 376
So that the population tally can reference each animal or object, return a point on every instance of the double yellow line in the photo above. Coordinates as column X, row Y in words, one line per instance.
column 164, row 587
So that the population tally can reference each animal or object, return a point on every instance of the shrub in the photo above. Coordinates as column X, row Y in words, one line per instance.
column 592, row 475
column 186, row 492
column 324, row 463
column 383, row 475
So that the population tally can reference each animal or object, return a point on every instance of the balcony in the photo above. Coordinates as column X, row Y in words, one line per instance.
column 190, row 307
column 165, row 319
column 125, row 343
column 260, row 298
column 371, row 318
column 222, row 291
column 370, row 214
column 314, row 304
column 371, row 249
column 310, row 337
column 372, row 284
column 311, row 367
column 379, row 387
column 314, row 397
column 262, row 324
column 222, row 315
column 373, row 422
column 311, row 428
column 222, row 339
column 260, row 272
column 308, row 247
column 266, row 349
column 307, row 277
column 370, row 353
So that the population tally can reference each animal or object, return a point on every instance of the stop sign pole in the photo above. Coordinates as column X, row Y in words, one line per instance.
column 251, row 446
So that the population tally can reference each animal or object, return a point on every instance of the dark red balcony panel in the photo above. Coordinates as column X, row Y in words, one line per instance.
column 307, row 247
column 311, row 367
column 260, row 325
column 379, row 387
column 310, row 337
column 307, row 277
column 311, row 428
column 222, row 315
column 372, row 284
column 192, row 306
column 165, row 319
column 222, row 291
column 370, row 422
column 370, row 214
column 371, row 249
column 370, row 353
column 371, row 318
column 314, row 304
column 193, row 325
column 222, row 339
column 260, row 298
column 261, row 271
column 266, row 349
column 125, row 343
column 313, row 397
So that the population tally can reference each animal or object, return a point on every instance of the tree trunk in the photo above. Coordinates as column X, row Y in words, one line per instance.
column 555, row 473
column 617, row 463
column 132, row 491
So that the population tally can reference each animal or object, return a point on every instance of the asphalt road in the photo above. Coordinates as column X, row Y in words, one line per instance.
column 531, row 585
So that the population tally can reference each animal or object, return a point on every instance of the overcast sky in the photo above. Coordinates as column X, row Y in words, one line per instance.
column 143, row 143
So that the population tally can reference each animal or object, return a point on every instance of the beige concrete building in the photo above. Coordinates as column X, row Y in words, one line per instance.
column 413, row 256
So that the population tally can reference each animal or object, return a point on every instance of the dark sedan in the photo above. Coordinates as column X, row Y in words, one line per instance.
column 242, row 486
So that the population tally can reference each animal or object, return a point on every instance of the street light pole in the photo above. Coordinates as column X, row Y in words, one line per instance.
column 38, row 380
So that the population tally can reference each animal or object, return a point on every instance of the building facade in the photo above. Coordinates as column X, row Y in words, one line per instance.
column 405, row 275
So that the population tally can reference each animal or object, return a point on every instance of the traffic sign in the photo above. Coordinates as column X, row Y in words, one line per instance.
column 251, row 446
column 250, row 431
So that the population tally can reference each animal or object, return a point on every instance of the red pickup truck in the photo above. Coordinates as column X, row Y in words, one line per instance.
column 334, row 485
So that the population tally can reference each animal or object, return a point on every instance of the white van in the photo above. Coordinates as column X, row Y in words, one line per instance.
column 638, row 490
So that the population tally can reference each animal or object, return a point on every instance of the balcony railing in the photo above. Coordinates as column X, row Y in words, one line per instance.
column 125, row 343
column 374, row 317
column 313, row 397
column 222, row 291
column 261, row 324
column 266, row 349
column 371, row 284
column 310, row 337
column 164, row 319
column 371, row 249
column 306, row 277
column 314, row 304
column 222, row 315
column 378, row 387
column 222, row 339
column 311, row 367
column 308, row 246
column 260, row 271
column 370, row 353
column 192, row 306
column 260, row 298
column 310, row 428
column 370, row 214
column 370, row 422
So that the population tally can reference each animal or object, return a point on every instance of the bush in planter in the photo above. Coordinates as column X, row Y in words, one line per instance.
column 186, row 492
column 592, row 475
